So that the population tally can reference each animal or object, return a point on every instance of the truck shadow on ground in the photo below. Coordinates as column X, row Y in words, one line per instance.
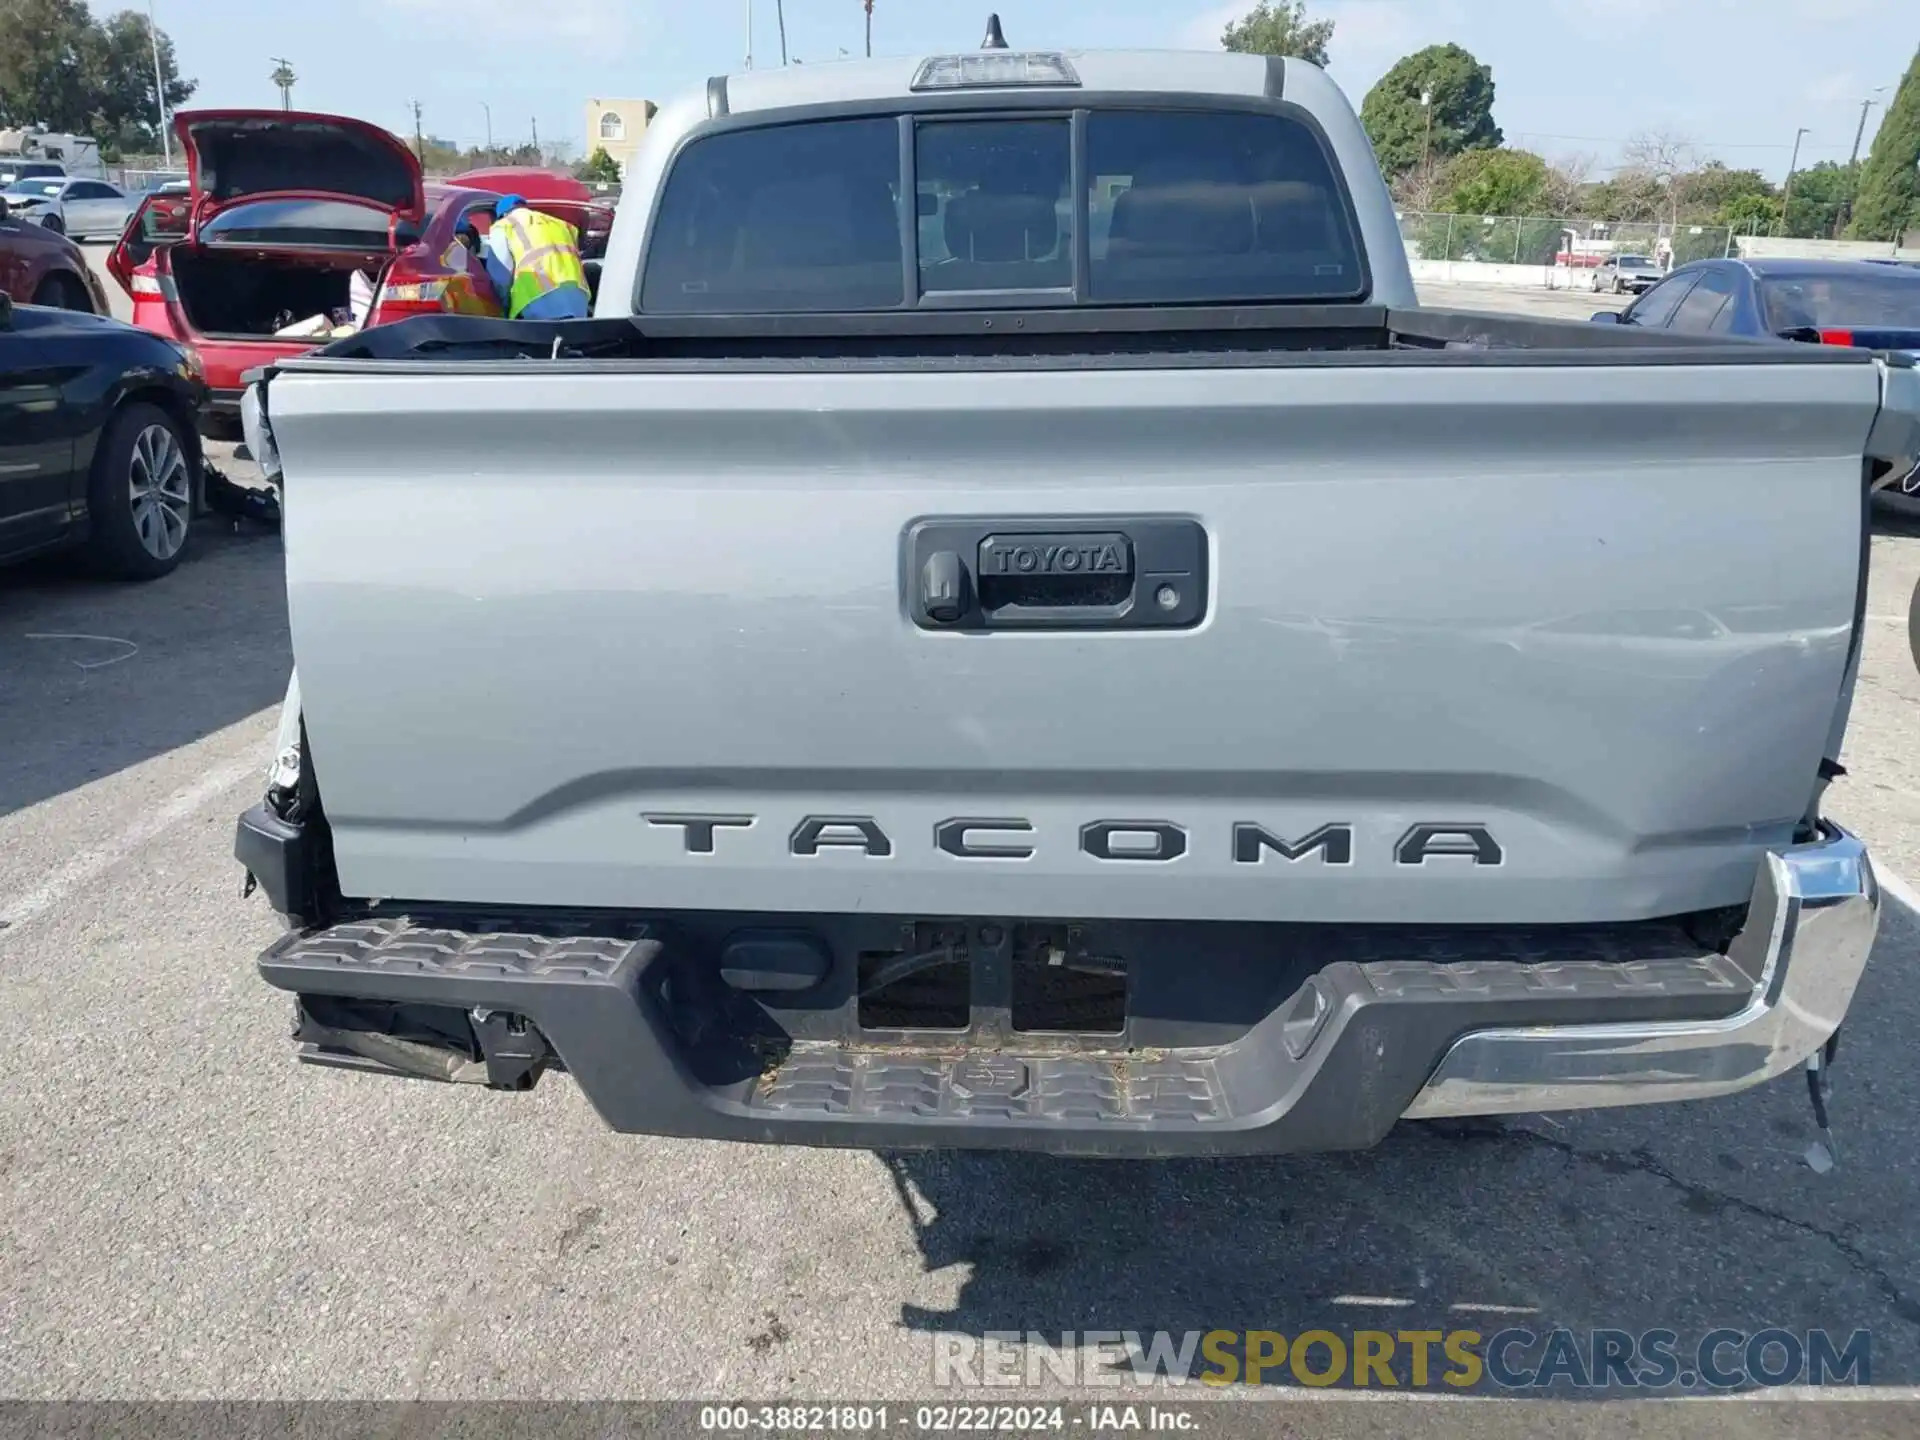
column 1686, row 1218
column 102, row 675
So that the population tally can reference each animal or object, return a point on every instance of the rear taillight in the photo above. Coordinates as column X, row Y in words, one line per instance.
column 145, row 282
column 1836, row 337
column 407, row 296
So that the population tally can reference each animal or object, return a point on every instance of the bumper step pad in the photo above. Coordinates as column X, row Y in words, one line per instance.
column 1333, row 1067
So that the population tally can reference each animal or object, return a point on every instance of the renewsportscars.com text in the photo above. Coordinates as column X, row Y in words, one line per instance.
column 1514, row 1358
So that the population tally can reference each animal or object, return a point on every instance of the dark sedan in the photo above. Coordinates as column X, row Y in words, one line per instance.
column 1822, row 302
column 1864, row 304
column 97, row 441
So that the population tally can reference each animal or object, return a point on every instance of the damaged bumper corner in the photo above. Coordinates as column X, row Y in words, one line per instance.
column 1809, row 929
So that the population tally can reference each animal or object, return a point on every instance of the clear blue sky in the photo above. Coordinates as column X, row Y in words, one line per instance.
column 1574, row 76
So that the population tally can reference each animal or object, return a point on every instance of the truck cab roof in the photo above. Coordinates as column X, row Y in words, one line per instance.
column 1142, row 72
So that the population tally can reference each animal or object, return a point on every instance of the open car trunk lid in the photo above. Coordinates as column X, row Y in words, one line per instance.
column 234, row 156
column 1446, row 642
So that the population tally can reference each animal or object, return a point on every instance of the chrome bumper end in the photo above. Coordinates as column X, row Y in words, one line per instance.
column 1809, row 928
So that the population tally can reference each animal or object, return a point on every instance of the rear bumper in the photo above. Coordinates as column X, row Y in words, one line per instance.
column 1811, row 925
column 1401, row 1027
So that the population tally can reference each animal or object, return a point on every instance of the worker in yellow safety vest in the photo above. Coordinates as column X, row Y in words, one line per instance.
column 533, row 260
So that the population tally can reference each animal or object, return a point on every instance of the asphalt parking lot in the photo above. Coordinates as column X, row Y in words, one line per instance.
column 184, row 1212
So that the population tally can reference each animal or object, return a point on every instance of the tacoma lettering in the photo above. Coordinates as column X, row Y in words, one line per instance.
column 1334, row 842
column 1012, row 837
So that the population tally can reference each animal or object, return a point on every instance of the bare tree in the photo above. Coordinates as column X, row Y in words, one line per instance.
column 1567, row 180
column 1665, row 157
column 1419, row 188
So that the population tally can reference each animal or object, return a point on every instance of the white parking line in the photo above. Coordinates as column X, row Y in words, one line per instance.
column 1899, row 889
column 88, row 865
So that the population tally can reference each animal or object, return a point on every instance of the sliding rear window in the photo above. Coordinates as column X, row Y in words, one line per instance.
column 1153, row 206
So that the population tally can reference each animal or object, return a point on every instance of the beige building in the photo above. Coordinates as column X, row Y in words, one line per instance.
column 618, row 126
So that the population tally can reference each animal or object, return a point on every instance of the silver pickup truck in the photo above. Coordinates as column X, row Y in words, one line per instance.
column 1010, row 628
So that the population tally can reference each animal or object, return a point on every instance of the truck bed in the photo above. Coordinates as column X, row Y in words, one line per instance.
column 1197, row 335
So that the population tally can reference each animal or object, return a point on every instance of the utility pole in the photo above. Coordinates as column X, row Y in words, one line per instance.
column 780, row 14
column 419, row 140
column 535, row 120
column 1853, row 163
column 489, row 113
column 1426, row 157
column 284, row 77
column 160, row 88
column 869, row 4
column 1786, row 194
column 749, row 34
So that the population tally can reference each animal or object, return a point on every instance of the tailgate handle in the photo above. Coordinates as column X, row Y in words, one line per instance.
column 1038, row 573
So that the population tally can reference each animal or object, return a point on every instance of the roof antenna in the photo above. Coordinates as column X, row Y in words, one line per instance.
column 995, row 40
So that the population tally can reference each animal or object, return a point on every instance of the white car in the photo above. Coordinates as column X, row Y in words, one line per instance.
column 74, row 206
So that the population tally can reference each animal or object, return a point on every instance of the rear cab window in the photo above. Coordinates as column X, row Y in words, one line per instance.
column 948, row 209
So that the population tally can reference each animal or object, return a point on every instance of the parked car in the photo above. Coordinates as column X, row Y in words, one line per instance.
column 40, row 267
column 12, row 170
column 1470, row 815
column 1623, row 273
column 302, row 202
column 283, row 208
column 1861, row 304
column 561, row 196
column 417, row 279
column 97, row 442
column 72, row 206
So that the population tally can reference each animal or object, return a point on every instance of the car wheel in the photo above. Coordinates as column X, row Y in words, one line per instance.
column 1913, row 625
column 55, row 224
column 63, row 292
column 140, row 494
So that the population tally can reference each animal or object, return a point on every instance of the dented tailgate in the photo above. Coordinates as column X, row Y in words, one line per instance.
column 1494, row 642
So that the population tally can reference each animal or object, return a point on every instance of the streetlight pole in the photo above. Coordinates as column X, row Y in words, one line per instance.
column 1426, row 150
column 869, row 29
column 1786, row 194
column 159, row 88
column 780, row 14
column 489, row 113
column 749, row 34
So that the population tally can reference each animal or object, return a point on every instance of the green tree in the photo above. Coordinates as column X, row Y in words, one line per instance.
column 1819, row 199
column 1495, row 182
column 1458, row 118
column 46, row 47
column 1713, row 190
column 1749, row 214
column 61, row 69
column 126, row 118
column 599, row 168
column 1889, row 201
column 1279, row 27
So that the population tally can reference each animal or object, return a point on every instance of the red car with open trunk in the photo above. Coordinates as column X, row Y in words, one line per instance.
column 283, row 207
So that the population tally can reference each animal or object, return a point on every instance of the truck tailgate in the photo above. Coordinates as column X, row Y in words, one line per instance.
column 1481, row 642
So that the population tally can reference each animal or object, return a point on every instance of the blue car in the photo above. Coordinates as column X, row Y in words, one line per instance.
column 1824, row 302
column 1867, row 304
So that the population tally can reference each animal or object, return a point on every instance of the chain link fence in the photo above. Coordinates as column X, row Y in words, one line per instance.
column 1556, row 242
